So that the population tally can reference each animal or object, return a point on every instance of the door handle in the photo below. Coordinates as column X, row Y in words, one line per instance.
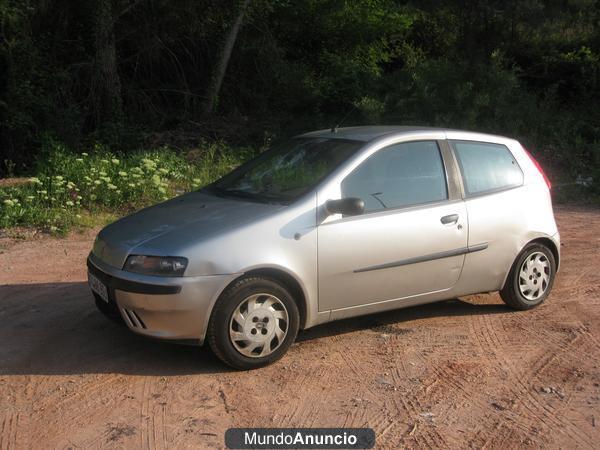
column 452, row 218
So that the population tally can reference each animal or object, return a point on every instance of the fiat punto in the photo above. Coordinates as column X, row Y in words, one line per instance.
column 329, row 225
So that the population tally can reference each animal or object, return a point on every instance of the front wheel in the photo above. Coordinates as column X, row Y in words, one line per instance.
column 531, row 278
column 253, row 323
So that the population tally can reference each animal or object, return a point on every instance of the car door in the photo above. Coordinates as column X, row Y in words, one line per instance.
column 411, row 239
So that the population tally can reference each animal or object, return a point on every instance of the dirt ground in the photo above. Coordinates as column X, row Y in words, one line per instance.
column 468, row 373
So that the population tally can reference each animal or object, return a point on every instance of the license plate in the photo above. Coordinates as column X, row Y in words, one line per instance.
column 98, row 287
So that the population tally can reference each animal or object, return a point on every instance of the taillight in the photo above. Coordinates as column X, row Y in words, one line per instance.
column 539, row 168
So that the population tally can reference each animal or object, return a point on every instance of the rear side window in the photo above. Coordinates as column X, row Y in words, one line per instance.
column 400, row 175
column 487, row 167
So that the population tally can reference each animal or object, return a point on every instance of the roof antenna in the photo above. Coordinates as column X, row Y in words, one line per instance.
column 335, row 127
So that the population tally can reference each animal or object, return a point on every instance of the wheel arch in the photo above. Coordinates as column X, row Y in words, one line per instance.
column 547, row 242
column 551, row 245
column 286, row 279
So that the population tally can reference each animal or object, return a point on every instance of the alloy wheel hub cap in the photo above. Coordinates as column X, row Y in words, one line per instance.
column 534, row 276
column 258, row 325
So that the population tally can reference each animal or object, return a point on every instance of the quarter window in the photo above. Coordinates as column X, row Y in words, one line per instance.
column 397, row 176
column 487, row 167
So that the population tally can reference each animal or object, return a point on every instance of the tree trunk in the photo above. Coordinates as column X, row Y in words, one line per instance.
column 217, row 79
column 106, row 84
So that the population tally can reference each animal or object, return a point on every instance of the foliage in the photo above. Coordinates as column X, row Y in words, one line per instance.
column 529, row 69
column 69, row 187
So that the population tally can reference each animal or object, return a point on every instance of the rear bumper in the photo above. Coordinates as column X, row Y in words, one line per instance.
column 556, row 239
column 171, row 308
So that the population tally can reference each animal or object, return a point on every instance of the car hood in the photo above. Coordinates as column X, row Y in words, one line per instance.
column 196, row 216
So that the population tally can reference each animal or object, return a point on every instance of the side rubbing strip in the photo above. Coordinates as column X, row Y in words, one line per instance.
column 424, row 258
column 478, row 247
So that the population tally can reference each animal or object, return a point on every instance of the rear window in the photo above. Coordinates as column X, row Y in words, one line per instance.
column 487, row 167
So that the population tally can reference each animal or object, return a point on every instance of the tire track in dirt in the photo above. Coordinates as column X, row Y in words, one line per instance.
column 8, row 430
column 91, row 389
column 499, row 434
column 454, row 385
column 538, row 337
column 350, row 362
column 543, row 411
column 450, row 376
column 104, row 439
column 427, row 392
column 490, row 345
column 543, row 363
column 69, row 404
column 147, row 417
column 151, row 417
column 294, row 408
column 193, row 411
column 565, row 347
column 572, row 356
column 304, row 410
column 95, row 413
column 425, row 435
column 86, row 403
column 417, row 428
column 586, row 277
column 377, row 414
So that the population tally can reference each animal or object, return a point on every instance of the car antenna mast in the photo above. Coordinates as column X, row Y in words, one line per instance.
column 335, row 127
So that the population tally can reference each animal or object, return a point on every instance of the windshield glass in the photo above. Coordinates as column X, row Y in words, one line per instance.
column 287, row 171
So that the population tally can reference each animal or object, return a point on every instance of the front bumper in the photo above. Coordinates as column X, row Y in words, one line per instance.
column 172, row 308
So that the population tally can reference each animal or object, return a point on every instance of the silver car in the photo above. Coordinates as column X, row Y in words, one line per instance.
column 332, row 224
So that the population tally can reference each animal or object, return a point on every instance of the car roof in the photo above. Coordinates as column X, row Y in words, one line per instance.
column 369, row 133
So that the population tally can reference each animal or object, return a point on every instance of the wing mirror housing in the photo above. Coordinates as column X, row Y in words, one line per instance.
column 350, row 206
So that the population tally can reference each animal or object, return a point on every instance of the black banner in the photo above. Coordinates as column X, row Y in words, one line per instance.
column 299, row 438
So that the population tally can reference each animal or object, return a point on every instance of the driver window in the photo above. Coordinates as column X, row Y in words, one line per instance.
column 400, row 175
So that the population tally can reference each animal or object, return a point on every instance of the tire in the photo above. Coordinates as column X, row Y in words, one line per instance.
column 519, row 291
column 253, row 323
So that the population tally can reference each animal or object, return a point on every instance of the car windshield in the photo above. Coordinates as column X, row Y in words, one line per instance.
column 285, row 172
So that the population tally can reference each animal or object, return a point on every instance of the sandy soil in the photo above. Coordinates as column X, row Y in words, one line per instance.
column 455, row 374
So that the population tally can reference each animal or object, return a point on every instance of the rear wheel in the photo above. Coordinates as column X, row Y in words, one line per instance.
column 531, row 278
column 253, row 323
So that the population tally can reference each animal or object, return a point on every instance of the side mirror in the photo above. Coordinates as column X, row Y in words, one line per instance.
column 350, row 206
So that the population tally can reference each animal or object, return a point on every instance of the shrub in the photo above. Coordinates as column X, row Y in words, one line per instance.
column 68, row 185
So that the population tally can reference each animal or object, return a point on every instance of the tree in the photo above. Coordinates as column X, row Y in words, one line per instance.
column 217, row 79
column 106, row 84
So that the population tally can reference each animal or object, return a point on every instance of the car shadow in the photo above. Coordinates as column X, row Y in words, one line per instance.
column 398, row 321
column 55, row 329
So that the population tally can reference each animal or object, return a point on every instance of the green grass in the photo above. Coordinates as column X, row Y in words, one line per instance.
column 71, row 189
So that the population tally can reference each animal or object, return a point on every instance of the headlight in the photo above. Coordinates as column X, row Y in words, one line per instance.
column 165, row 266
